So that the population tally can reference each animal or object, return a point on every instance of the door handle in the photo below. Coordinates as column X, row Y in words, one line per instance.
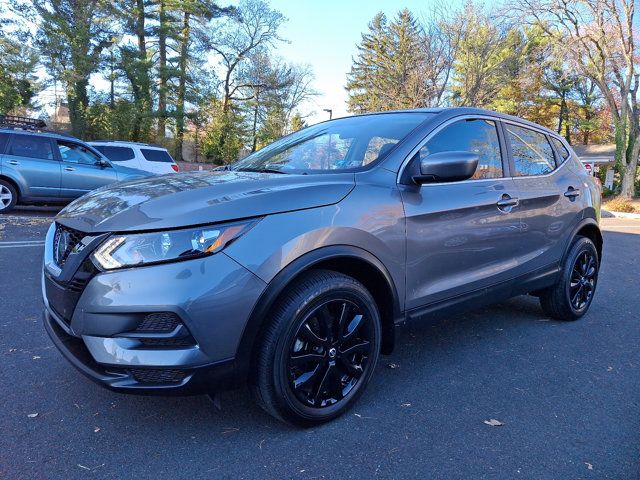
column 14, row 162
column 572, row 193
column 506, row 203
column 69, row 169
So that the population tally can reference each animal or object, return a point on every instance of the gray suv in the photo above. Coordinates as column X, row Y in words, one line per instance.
column 290, row 269
column 48, row 167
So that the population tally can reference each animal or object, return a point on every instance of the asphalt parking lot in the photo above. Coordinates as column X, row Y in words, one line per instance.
column 568, row 395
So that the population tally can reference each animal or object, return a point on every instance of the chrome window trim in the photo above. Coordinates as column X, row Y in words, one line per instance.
column 445, row 124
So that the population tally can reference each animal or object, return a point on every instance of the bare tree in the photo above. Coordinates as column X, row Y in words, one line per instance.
column 597, row 38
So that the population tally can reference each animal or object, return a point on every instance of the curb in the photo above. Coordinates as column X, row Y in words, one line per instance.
column 610, row 214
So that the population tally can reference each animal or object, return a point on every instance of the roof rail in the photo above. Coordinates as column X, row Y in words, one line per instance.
column 25, row 123
column 13, row 122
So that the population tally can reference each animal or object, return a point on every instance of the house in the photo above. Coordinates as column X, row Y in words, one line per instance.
column 596, row 157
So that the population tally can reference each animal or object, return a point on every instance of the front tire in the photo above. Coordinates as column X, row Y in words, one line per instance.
column 8, row 196
column 318, row 350
column 571, row 297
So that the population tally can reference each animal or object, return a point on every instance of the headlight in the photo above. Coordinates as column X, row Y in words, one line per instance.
column 144, row 248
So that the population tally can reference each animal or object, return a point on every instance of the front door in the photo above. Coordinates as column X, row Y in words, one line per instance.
column 81, row 170
column 31, row 158
column 461, row 236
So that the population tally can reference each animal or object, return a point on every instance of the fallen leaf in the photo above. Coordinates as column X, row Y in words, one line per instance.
column 11, row 350
column 32, row 415
column 589, row 466
column 494, row 423
column 96, row 430
column 82, row 466
column 36, row 357
column 393, row 365
column 405, row 405
column 609, row 369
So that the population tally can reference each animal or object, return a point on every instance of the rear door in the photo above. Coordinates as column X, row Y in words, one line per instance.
column 31, row 159
column 81, row 170
column 461, row 236
column 119, row 154
column 548, row 192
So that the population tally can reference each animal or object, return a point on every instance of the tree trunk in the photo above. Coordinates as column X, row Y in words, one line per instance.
column 254, row 129
column 182, row 86
column 162, row 90
column 630, row 170
column 78, row 101
column 144, row 82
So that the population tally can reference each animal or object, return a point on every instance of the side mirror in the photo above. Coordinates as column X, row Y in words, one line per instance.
column 103, row 163
column 451, row 166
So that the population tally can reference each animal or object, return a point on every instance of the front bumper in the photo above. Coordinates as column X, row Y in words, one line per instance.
column 98, row 329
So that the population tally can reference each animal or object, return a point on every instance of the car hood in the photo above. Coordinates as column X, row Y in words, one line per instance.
column 178, row 200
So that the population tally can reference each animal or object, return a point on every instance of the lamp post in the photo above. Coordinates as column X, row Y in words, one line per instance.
column 329, row 111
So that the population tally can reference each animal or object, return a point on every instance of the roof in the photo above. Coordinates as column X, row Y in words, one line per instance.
column 124, row 142
column 596, row 153
column 456, row 111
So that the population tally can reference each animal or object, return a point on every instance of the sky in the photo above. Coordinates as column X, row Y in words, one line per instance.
column 325, row 33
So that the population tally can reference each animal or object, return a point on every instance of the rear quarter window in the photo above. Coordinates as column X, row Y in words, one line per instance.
column 561, row 149
column 156, row 155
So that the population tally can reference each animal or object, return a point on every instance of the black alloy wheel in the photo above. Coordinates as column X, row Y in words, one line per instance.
column 318, row 349
column 329, row 353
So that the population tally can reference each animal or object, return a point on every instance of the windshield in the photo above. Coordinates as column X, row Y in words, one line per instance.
column 345, row 143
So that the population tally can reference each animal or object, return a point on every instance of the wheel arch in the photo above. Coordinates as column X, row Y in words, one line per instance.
column 587, row 228
column 355, row 262
column 13, row 183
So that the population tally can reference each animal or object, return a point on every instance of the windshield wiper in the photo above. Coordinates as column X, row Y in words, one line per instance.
column 260, row 170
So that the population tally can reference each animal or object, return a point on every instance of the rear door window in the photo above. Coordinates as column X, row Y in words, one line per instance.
column 531, row 151
column 30, row 146
column 156, row 155
column 116, row 154
column 477, row 136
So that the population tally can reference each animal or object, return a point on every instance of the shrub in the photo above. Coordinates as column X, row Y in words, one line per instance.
column 620, row 205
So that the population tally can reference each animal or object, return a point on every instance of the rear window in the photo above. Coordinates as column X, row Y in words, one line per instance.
column 156, row 155
column 31, row 146
column 116, row 154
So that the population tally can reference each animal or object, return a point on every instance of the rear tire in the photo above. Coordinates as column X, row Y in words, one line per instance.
column 8, row 196
column 571, row 296
column 318, row 350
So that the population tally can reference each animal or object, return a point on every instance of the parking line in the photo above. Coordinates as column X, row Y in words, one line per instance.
column 22, row 244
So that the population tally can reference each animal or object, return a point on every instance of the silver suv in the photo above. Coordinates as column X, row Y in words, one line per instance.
column 37, row 166
column 291, row 269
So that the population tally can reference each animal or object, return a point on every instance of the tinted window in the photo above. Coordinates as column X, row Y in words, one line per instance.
column 343, row 143
column 532, row 153
column 3, row 141
column 562, row 150
column 31, row 146
column 475, row 136
column 76, row 153
column 156, row 155
column 116, row 154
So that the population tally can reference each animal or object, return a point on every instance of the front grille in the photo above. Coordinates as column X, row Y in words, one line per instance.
column 159, row 322
column 158, row 375
column 64, row 241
